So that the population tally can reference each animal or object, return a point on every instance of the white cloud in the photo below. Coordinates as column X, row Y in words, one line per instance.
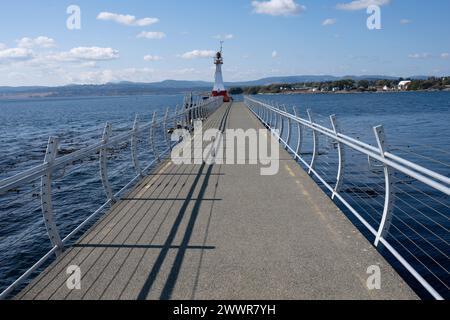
column 274, row 54
column 88, row 64
column 126, row 19
column 150, row 57
column 198, row 54
column 134, row 75
column 277, row 7
column 361, row 4
column 109, row 75
column 445, row 55
column 419, row 56
column 224, row 37
column 40, row 42
column 93, row 77
column 16, row 54
column 2, row 46
column 405, row 21
column 87, row 54
column 185, row 71
column 329, row 22
column 151, row 35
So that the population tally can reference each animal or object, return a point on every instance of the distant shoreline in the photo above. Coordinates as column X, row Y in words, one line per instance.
column 119, row 95
column 74, row 96
column 351, row 92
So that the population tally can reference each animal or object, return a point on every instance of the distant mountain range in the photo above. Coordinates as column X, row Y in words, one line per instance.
column 163, row 87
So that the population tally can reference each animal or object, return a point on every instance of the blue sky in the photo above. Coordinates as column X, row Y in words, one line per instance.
column 262, row 38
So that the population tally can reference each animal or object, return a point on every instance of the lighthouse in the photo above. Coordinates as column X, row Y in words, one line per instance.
column 219, row 87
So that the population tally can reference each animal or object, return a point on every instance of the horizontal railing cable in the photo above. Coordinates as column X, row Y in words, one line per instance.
column 363, row 190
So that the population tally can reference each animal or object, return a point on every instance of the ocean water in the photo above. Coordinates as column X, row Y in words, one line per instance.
column 416, row 126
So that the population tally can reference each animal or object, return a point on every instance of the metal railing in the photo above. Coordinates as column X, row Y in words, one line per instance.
column 54, row 167
column 416, row 235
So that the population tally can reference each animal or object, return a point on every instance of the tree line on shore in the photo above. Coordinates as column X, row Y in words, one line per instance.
column 347, row 85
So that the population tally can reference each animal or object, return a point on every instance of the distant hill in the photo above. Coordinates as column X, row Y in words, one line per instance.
column 20, row 89
column 287, row 79
column 306, row 78
column 108, row 89
column 164, row 87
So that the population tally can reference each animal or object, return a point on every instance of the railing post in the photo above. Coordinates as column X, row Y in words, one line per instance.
column 268, row 117
column 202, row 111
column 175, row 118
column 315, row 143
column 195, row 109
column 275, row 120
column 389, row 186
column 152, row 138
column 205, row 109
column 341, row 155
column 103, row 165
column 166, row 133
column 265, row 115
column 134, row 143
column 281, row 124
column 261, row 112
column 298, row 150
column 288, row 138
column 46, row 196
column 185, row 112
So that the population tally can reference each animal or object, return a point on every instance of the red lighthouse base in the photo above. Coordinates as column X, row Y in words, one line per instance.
column 224, row 94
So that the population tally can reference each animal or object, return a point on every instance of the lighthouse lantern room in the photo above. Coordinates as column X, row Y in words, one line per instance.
column 219, row 87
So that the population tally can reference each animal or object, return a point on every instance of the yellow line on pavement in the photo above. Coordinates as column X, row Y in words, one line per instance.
column 289, row 170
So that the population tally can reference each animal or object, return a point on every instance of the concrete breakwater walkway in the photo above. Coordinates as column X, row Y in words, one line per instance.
column 222, row 232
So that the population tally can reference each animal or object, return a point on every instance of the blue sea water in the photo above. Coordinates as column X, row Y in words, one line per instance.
column 416, row 126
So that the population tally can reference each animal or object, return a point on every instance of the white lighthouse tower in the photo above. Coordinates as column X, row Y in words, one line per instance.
column 219, row 87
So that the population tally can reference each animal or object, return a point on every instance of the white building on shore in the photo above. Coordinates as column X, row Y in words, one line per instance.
column 403, row 85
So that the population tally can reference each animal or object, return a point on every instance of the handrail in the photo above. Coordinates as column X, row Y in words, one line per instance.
column 265, row 112
column 390, row 159
column 37, row 171
column 184, row 117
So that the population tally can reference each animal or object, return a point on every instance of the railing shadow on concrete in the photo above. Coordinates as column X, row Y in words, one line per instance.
column 428, row 228
column 54, row 168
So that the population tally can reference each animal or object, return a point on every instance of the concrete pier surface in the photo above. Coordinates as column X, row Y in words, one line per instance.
column 222, row 232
